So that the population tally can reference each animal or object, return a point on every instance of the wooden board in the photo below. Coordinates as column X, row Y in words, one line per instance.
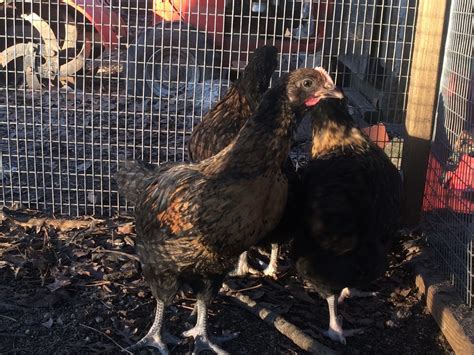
column 428, row 50
column 440, row 305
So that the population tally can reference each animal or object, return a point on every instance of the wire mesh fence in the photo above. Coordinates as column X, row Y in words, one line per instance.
column 449, row 190
column 85, row 85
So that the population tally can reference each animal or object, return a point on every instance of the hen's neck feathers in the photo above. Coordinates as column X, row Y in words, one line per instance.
column 251, row 90
column 334, row 130
column 264, row 141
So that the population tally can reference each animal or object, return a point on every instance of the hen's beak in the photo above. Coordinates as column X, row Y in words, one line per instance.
column 332, row 92
column 328, row 92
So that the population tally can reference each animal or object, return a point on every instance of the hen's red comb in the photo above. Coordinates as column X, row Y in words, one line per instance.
column 325, row 74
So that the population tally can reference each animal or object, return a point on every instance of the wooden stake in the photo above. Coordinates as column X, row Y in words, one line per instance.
column 289, row 330
column 422, row 98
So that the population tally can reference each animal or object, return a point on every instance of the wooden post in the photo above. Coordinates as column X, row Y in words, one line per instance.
column 428, row 49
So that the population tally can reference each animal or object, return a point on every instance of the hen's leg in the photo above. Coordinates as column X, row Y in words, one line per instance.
column 243, row 268
column 199, row 332
column 153, row 338
column 352, row 292
column 272, row 268
column 335, row 331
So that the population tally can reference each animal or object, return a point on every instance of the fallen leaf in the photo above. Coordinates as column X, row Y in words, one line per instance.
column 58, row 283
column 48, row 324
column 126, row 228
column 15, row 260
column 81, row 253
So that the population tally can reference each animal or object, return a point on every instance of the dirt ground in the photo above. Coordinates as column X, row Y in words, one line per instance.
column 70, row 286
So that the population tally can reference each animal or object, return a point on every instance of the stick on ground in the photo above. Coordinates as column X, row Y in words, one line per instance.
column 296, row 335
column 105, row 335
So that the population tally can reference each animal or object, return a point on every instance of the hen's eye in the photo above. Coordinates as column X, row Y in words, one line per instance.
column 307, row 83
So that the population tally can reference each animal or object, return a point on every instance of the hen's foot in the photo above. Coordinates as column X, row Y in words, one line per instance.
column 353, row 292
column 153, row 338
column 340, row 335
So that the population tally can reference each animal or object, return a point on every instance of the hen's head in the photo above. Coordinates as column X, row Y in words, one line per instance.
column 306, row 87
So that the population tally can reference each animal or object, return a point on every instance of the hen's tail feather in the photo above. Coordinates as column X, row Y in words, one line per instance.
column 132, row 178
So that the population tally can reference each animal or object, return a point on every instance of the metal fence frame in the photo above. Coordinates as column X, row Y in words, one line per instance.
column 449, row 200
column 61, row 146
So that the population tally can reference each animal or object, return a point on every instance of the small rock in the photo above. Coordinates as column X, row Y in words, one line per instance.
column 72, row 316
column 403, row 313
column 60, row 320
column 87, row 339
column 27, row 331
column 118, row 243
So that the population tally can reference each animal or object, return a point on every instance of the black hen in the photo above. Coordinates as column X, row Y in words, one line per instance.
column 193, row 220
column 350, row 198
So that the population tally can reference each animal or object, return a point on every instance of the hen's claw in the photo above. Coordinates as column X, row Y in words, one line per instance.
column 271, row 271
column 335, row 331
column 243, row 268
column 335, row 335
column 199, row 332
column 202, row 343
column 340, row 335
column 153, row 341
column 195, row 332
column 153, row 338
column 352, row 292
